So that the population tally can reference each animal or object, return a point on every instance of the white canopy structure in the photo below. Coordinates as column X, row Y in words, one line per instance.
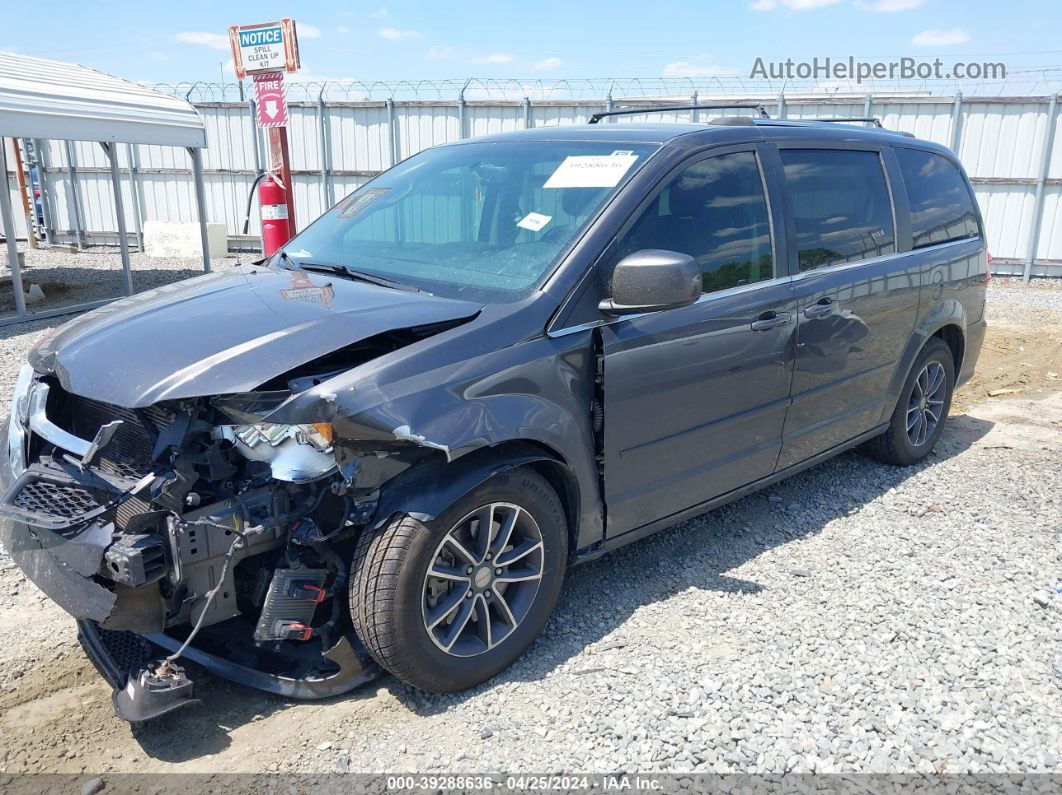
column 52, row 100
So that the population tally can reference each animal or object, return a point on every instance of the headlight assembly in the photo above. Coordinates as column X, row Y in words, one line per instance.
column 21, row 396
column 295, row 453
column 17, row 424
column 317, row 435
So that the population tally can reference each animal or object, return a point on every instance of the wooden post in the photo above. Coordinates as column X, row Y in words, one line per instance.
column 281, row 162
column 20, row 175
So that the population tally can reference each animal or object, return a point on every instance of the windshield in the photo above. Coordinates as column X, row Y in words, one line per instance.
column 483, row 221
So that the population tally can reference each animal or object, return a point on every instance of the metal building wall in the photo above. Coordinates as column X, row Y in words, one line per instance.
column 338, row 145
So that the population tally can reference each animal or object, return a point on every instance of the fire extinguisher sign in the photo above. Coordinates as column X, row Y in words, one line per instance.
column 270, row 105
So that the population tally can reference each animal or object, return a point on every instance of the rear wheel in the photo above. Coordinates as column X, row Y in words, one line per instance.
column 447, row 604
column 921, row 411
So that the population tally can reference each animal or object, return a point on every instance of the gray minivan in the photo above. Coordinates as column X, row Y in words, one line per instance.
column 381, row 448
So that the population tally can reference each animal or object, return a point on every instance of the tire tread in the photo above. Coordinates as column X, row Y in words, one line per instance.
column 887, row 447
column 380, row 558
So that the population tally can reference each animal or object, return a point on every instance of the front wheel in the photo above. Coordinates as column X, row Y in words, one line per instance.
column 447, row 604
column 918, row 419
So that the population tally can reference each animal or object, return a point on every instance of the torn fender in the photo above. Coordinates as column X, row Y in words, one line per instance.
column 425, row 490
column 533, row 391
column 538, row 391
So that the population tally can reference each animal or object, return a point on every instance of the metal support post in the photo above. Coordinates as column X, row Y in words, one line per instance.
column 325, row 142
column 77, row 216
column 462, row 114
column 200, row 203
column 132, row 153
column 256, row 143
column 392, row 131
column 9, row 232
column 1041, row 180
column 956, row 122
column 119, row 212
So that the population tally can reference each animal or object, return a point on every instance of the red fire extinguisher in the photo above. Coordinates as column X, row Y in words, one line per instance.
column 272, row 199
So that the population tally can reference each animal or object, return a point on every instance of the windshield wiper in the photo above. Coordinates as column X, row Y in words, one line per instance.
column 350, row 273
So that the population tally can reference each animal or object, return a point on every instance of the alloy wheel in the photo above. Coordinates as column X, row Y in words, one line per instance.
column 483, row 579
column 926, row 405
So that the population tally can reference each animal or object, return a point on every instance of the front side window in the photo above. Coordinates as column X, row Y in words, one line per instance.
column 716, row 212
column 841, row 206
column 484, row 222
column 942, row 208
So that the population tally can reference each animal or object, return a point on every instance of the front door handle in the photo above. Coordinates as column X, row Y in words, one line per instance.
column 769, row 320
column 823, row 308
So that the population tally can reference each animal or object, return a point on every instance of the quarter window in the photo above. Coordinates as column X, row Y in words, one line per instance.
column 715, row 211
column 942, row 208
column 841, row 206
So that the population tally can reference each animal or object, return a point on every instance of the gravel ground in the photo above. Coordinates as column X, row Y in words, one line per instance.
column 67, row 276
column 856, row 617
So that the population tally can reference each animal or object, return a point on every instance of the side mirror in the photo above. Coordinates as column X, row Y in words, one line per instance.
column 651, row 280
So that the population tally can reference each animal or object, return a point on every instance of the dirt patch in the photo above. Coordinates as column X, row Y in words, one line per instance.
column 50, row 288
column 1015, row 360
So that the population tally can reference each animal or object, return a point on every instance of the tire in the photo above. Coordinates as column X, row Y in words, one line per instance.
column 896, row 445
column 393, row 600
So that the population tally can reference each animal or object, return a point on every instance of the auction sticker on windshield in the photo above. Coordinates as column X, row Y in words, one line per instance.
column 591, row 171
column 534, row 221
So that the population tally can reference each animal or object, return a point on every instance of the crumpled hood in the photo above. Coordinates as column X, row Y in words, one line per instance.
column 225, row 332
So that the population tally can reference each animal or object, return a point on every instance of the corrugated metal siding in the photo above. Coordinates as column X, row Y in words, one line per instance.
column 1050, row 244
column 1006, row 211
column 1001, row 140
column 929, row 121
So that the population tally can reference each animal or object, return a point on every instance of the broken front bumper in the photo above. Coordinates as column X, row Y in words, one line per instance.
column 62, row 550
column 60, row 558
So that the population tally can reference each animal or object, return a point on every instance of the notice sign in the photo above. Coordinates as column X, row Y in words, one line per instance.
column 270, row 105
column 268, row 47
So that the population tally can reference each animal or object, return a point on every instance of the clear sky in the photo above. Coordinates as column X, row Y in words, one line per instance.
column 430, row 39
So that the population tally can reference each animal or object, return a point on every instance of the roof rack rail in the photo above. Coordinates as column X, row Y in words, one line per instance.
column 605, row 113
column 867, row 119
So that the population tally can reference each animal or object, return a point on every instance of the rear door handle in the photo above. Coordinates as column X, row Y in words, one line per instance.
column 825, row 307
column 769, row 320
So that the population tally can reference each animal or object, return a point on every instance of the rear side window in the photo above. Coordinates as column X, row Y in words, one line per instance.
column 716, row 211
column 841, row 206
column 942, row 208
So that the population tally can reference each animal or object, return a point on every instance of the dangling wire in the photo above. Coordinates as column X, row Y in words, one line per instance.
column 240, row 538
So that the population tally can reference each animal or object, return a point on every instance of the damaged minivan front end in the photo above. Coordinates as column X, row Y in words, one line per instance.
column 274, row 469
column 153, row 521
